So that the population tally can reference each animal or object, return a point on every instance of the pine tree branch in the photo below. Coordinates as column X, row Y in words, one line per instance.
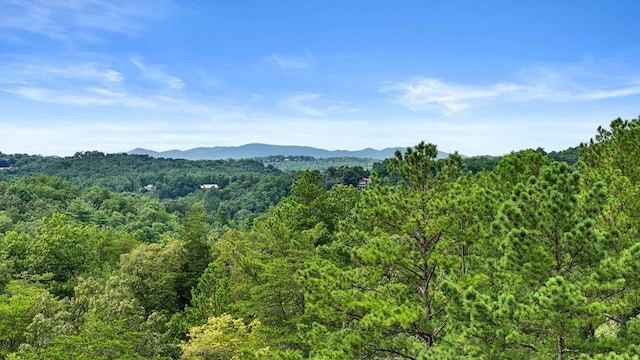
column 390, row 351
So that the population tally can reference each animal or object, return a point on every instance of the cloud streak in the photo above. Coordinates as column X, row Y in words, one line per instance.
column 157, row 74
column 88, row 97
column 429, row 93
column 66, row 20
column 421, row 94
column 307, row 104
column 87, row 84
column 78, row 72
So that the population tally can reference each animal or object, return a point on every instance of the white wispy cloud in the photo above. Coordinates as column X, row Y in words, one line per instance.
column 613, row 93
column 429, row 93
column 311, row 104
column 88, row 97
column 85, row 97
column 25, row 73
column 561, row 85
column 579, row 82
column 157, row 74
column 92, row 84
column 295, row 62
column 66, row 20
column 91, row 97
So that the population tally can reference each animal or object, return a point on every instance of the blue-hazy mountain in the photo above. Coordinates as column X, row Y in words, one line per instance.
column 262, row 150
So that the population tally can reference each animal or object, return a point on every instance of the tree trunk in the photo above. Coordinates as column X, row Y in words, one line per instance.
column 561, row 348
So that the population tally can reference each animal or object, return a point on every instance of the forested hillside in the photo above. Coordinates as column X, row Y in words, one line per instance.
column 250, row 151
column 302, row 163
column 479, row 163
column 244, row 188
column 530, row 258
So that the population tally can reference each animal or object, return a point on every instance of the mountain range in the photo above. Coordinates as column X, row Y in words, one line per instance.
column 250, row 151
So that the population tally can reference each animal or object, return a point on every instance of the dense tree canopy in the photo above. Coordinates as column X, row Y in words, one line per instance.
column 531, row 255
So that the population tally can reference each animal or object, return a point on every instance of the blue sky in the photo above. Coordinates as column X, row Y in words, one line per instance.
column 478, row 77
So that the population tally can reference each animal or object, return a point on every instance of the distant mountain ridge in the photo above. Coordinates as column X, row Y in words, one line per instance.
column 250, row 151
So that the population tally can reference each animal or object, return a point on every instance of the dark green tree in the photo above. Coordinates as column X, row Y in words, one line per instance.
column 538, row 302
column 378, row 288
column 197, row 249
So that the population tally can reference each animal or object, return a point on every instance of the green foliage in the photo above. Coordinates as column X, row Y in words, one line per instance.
column 18, row 304
column 611, row 158
column 151, row 271
column 416, row 166
column 129, row 173
column 63, row 250
column 538, row 298
column 476, row 164
column 519, row 257
column 246, row 187
column 569, row 156
column 263, row 267
column 344, row 175
column 210, row 298
column 616, row 147
column 304, row 163
column 99, row 322
column 266, row 265
column 197, row 252
column 35, row 197
column 225, row 338
column 393, row 257
column 6, row 269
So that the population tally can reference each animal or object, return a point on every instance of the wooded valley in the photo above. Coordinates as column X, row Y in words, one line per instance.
column 526, row 256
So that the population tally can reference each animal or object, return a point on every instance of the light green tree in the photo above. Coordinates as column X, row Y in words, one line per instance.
column 101, row 321
column 225, row 338
column 63, row 250
column 18, row 305
column 150, row 271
